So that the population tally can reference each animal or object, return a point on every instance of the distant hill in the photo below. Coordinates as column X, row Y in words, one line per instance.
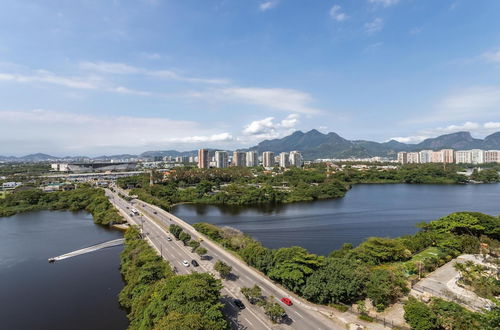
column 314, row 144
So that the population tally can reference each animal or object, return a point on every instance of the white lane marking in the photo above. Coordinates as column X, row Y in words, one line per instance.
column 248, row 321
column 298, row 314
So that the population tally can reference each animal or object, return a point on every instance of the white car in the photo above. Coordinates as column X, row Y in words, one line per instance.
column 185, row 263
column 169, row 239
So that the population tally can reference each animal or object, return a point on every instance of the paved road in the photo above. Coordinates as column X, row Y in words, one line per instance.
column 155, row 221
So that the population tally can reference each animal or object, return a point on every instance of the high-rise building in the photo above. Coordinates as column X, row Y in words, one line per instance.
column 221, row 159
column 448, row 156
column 284, row 160
column 295, row 159
column 492, row 156
column 239, row 159
column 402, row 157
column 436, row 157
column 268, row 159
column 477, row 156
column 413, row 158
column 425, row 156
column 203, row 159
column 252, row 159
column 463, row 157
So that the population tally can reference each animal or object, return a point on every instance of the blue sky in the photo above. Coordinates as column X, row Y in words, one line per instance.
column 106, row 77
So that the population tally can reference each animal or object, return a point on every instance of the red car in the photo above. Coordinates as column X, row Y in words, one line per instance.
column 286, row 301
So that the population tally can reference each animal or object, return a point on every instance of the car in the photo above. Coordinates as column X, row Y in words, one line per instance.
column 239, row 303
column 154, row 212
column 169, row 238
column 185, row 263
column 131, row 214
column 287, row 301
column 194, row 263
column 128, row 207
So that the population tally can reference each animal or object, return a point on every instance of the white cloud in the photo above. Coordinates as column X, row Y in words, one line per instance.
column 385, row 3
column 480, row 102
column 337, row 14
column 290, row 121
column 48, row 131
column 264, row 6
column 86, row 83
column 410, row 139
column 472, row 127
column 492, row 125
column 473, row 98
column 121, row 68
column 268, row 128
column 491, row 56
column 374, row 26
column 290, row 100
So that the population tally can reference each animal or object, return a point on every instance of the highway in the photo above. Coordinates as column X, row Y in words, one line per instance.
column 154, row 223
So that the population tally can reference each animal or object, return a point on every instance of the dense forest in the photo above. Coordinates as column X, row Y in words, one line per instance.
column 156, row 298
column 379, row 268
column 84, row 198
column 246, row 186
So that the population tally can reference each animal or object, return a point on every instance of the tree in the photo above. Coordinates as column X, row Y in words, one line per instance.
column 384, row 286
column 223, row 268
column 339, row 281
column 253, row 294
column 193, row 244
column 274, row 311
column 175, row 230
column 420, row 316
column 184, row 237
column 377, row 250
column 201, row 251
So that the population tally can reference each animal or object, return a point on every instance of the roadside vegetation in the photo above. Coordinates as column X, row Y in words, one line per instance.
column 440, row 314
column 379, row 268
column 86, row 198
column 250, row 186
column 156, row 298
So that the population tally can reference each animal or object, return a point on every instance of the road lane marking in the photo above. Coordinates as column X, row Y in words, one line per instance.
column 248, row 321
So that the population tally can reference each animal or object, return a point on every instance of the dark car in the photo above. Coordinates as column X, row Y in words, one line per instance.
column 154, row 212
column 239, row 304
column 194, row 263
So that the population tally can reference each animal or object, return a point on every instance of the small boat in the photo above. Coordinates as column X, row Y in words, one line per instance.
column 52, row 260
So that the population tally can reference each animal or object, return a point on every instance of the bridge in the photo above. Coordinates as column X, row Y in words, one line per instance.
column 89, row 249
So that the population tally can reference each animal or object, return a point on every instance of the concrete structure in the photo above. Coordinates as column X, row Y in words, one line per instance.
column 252, row 158
column 403, row 157
column 203, row 159
column 239, row 159
column 295, row 159
column 448, row 156
column 492, row 156
column 284, row 160
column 94, row 167
column 477, row 156
column 425, row 156
column 463, row 157
column 221, row 159
column 268, row 159
column 413, row 158
column 436, row 157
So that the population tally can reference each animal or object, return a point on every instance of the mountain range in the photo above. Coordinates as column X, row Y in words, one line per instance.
column 313, row 145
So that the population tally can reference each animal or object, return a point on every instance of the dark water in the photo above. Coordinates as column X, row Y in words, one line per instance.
column 366, row 210
column 75, row 293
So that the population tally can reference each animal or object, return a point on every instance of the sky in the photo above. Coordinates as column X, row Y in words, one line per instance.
column 93, row 77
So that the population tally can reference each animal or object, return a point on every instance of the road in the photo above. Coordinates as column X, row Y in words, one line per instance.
column 155, row 221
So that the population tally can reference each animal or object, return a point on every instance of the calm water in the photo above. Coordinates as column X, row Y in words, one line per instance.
column 76, row 293
column 366, row 210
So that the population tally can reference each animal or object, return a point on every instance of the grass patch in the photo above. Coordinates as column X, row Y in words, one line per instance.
column 339, row 307
column 365, row 317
